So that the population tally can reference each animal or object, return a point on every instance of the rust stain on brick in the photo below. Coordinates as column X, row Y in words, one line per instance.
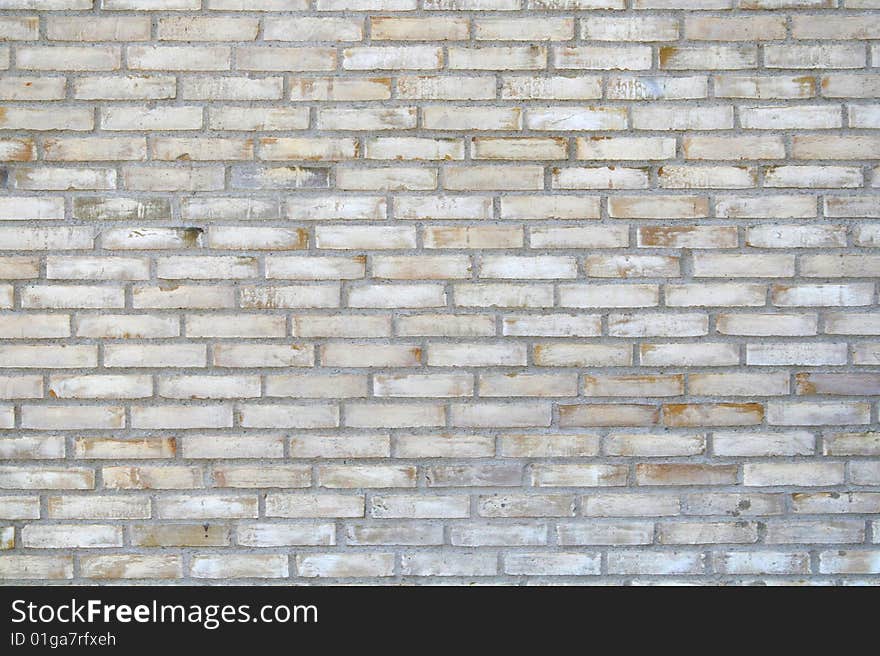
column 804, row 385
column 666, row 53
column 192, row 236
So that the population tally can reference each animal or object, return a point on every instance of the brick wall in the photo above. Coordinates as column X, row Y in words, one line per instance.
column 303, row 291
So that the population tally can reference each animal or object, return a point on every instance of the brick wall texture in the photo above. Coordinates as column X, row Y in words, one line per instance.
column 439, row 291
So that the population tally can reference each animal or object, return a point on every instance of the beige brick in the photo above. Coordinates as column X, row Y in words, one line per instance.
column 636, row 28
column 71, row 536
column 446, row 87
column 608, row 296
column 796, row 443
column 809, row 413
column 281, row 535
column 68, row 58
column 610, row 414
column 32, row 88
column 392, row 57
column 668, row 117
column 152, row 478
column 319, row 505
column 421, row 385
column 268, row 476
column 345, row 565
column 128, row 87
column 257, row 118
column 231, row 88
column 260, row 566
column 191, row 28
column 278, row 28
column 96, row 447
column 657, row 207
column 388, row 415
column 684, row 474
column 420, row 506
column 418, row 29
column 738, row 384
column 626, row 87
column 444, row 446
column 613, row 236
column 124, row 566
column 471, row 236
column 36, row 567
column 712, row 414
column 629, row 58
column 179, row 58
column 95, row 148
column 497, row 58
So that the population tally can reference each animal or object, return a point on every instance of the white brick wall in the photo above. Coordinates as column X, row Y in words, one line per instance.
column 299, row 291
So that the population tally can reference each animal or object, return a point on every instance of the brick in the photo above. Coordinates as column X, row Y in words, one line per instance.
column 322, row 505
column 821, row 56
column 682, row 474
column 707, row 532
column 131, row 567
column 264, row 446
column 459, row 87
column 627, row 87
column 36, row 567
column 562, row 563
column 509, row 475
column 128, row 87
column 798, row 413
column 257, row 118
column 733, row 504
column 497, row 58
column 109, row 28
column 260, row 566
column 32, row 88
column 179, row 58
column 630, row 505
column 449, row 564
column 712, row 414
column 656, row 563
column 280, row 535
column 206, row 507
column 66, row 58
column 739, row 384
column 616, row 414
column 841, row 531
column 419, row 506
column 17, row 118
column 763, row 444
column 312, row 29
column 531, row 505
column 602, row 57
column 408, row 385
column 417, row 29
column 60, row 536
column 17, row 150
column 231, row 88
column 489, row 535
column 20, row 29
column 761, row 562
column 637, row 444
column 798, row 474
